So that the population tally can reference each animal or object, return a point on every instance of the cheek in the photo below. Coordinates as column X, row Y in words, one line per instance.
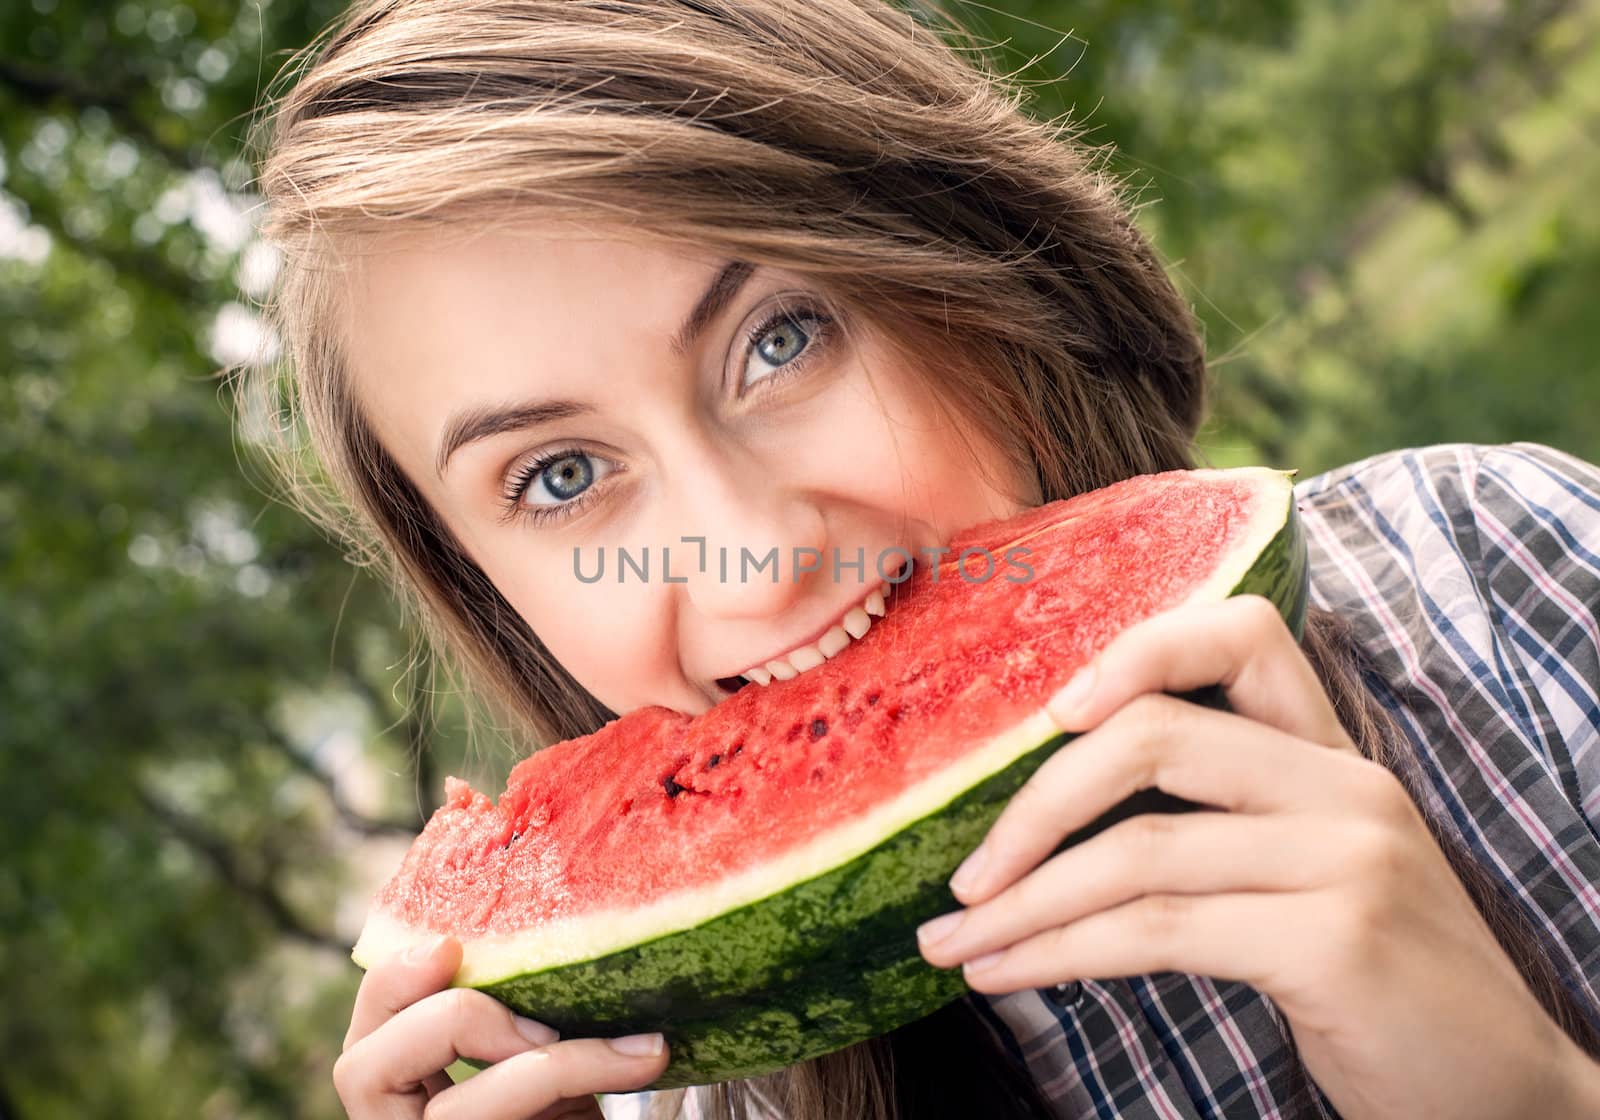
column 611, row 638
column 895, row 449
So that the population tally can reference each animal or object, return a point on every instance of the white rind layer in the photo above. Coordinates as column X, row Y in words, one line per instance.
column 1266, row 521
column 495, row 957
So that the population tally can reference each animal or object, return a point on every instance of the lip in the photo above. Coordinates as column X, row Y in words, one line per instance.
column 886, row 584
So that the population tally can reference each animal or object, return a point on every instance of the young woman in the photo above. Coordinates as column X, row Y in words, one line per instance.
column 573, row 274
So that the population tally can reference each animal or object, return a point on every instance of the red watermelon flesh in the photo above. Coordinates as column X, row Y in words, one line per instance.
column 657, row 804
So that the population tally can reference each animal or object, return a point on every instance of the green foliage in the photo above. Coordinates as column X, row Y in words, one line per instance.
column 1279, row 150
column 206, row 727
column 167, row 832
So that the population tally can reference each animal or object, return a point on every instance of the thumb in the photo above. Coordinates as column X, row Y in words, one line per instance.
column 401, row 979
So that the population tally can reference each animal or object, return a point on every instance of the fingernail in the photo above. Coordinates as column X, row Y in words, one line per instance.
column 978, row 964
column 934, row 931
column 534, row 1032
column 422, row 950
column 637, row 1045
column 971, row 869
column 1064, row 706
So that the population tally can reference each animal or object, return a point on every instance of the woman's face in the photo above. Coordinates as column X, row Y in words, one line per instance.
column 561, row 402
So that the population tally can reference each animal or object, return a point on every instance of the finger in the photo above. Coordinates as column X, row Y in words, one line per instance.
column 1244, row 937
column 1157, row 741
column 527, row 1085
column 432, row 1033
column 1241, row 644
column 401, row 980
column 1195, row 853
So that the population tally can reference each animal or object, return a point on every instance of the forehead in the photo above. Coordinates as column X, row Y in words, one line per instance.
column 439, row 316
column 441, row 284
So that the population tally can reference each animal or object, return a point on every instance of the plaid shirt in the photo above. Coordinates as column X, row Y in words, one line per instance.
column 1472, row 578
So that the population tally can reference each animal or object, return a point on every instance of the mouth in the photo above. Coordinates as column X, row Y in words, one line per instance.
column 850, row 626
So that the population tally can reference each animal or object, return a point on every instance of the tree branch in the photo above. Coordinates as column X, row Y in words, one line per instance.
column 360, row 822
column 415, row 730
column 225, row 861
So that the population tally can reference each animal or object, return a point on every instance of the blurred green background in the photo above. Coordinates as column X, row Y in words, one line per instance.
column 213, row 739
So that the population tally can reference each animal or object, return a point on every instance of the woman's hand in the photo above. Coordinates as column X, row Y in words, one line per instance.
column 1314, row 879
column 408, row 1025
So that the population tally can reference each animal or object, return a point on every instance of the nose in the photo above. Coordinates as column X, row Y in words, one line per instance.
column 751, row 541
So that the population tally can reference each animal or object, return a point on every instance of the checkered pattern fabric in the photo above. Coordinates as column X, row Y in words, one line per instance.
column 1471, row 575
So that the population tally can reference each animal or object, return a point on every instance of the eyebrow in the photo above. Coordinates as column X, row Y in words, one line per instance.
column 482, row 423
column 716, row 297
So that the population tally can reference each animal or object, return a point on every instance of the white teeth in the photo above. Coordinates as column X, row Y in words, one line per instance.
column 833, row 641
column 857, row 622
column 806, row 657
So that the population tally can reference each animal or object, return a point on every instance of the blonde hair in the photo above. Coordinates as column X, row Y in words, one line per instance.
column 844, row 141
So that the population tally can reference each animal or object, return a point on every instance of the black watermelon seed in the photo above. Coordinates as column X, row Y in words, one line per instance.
column 711, row 763
column 819, row 728
column 671, row 786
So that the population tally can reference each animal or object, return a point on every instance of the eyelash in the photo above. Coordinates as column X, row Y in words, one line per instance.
column 517, row 489
column 528, row 473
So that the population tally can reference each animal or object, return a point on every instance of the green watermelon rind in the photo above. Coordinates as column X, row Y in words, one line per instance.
column 837, row 960
column 802, row 995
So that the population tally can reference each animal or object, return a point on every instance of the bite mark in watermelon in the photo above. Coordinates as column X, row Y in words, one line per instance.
column 749, row 881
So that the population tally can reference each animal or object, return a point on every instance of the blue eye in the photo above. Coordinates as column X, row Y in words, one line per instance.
column 784, row 342
column 565, row 478
column 554, row 484
column 557, row 484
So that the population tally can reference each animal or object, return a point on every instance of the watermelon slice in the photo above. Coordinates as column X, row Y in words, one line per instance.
column 749, row 881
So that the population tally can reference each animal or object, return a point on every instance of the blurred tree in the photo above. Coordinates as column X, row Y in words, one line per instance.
column 204, row 713
column 1270, row 143
column 168, row 838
